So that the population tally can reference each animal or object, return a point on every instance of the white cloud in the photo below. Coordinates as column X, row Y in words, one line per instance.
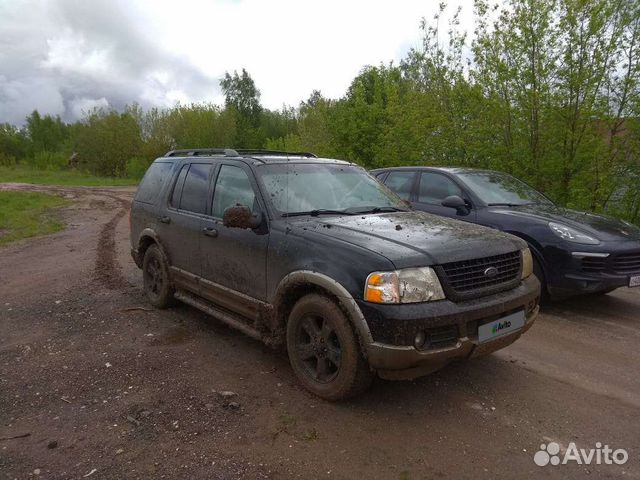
column 290, row 47
column 61, row 56
column 69, row 52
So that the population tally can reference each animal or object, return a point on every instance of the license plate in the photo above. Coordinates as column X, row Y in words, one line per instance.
column 502, row 326
column 634, row 281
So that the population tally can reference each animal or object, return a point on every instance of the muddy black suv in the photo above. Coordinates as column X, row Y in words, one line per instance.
column 316, row 255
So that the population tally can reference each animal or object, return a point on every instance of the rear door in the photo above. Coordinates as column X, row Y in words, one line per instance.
column 186, row 211
column 148, row 203
column 234, row 259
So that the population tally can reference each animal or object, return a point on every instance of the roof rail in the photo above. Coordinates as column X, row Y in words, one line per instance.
column 196, row 152
column 250, row 152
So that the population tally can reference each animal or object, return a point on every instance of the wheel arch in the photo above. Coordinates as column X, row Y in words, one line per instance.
column 147, row 238
column 300, row 283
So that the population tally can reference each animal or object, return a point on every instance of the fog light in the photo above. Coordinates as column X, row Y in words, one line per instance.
column 420, row 339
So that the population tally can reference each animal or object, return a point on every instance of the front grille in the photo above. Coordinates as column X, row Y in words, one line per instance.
column 468, row 278
column 627, row 262
column 593, row 264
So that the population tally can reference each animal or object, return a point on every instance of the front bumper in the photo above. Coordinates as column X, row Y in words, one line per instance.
column 393, row 327
column 580, row 270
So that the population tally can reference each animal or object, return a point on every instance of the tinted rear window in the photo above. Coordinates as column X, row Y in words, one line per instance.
column 177, row 189
column 196, row 186
column 152, row 182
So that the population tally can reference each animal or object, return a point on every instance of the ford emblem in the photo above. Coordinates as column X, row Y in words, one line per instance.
column 491, row 272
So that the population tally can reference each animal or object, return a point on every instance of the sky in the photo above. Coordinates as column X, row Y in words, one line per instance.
column 65, row 57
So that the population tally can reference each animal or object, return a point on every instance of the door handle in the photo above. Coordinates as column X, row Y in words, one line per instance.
column 210, row 232
column 165, row 219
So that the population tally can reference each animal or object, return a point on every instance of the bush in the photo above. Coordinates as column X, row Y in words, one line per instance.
column 7, row 160
column 106, row 140
column 50, row 161
column 136, row 167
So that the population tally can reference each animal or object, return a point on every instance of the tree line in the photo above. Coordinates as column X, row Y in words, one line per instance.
column 548, row 90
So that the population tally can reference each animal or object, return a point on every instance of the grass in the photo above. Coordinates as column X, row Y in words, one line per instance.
column 27, row 214
column 24, row 174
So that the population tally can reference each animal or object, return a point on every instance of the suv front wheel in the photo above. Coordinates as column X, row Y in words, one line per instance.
column 324, row 351
column 155, row 278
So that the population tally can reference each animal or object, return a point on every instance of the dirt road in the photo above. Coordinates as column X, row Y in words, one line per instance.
column 94, row 383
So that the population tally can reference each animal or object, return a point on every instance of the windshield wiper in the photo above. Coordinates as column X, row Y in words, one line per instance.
column 508, row 204
column 360, row 210
column 316, row 212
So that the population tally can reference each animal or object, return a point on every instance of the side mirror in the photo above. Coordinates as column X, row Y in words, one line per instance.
column 454, row 201
column 241, row 216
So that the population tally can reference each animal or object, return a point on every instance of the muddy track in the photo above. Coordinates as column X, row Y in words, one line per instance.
column 106, row 269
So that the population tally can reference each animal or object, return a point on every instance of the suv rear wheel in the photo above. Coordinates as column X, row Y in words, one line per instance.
column 324, row 351
column 155, row 278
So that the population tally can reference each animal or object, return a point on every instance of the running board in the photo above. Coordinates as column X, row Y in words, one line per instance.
column 230, row 319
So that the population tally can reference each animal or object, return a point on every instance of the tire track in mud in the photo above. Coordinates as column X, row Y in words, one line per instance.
column 106, row 269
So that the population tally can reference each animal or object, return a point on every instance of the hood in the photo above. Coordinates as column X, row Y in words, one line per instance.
column 411, row 239
column 599, row 226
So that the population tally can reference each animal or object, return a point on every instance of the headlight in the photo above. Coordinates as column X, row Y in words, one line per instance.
column 409, row 285
column 572, row 235
column 527, row 263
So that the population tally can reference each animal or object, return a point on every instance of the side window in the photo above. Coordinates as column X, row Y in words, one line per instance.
column 232, row 187
column 151, row 184
column 177, row 188
column 435, row 187
column 194, row 191
column 401, row 183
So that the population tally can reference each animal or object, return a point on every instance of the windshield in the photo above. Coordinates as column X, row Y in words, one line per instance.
column 313, row 188
column 496, row 188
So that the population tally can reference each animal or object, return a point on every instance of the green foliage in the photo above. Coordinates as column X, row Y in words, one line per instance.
column 198, row 126
column 137, row 166
column 7, row 160
column 45, row 160
column 242, row 95
column 27, row 214
column 46, row 133
column 13, row 143
column 105, row 141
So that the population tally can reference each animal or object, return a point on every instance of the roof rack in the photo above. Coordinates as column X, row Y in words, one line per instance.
column 196, row 152
column 229, row 152
column 250, row 152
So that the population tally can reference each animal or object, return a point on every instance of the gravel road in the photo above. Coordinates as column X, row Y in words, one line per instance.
column 96, row 384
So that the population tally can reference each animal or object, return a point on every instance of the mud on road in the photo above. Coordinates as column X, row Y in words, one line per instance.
column 95, row 383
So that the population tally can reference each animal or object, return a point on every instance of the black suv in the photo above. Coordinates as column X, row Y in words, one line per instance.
column 316, row 255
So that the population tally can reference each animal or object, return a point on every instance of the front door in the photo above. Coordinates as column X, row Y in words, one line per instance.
column 432, row 189
column 234, row 259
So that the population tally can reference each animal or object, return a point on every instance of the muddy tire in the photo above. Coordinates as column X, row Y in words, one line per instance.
column 155, row 278
column 324, row 351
